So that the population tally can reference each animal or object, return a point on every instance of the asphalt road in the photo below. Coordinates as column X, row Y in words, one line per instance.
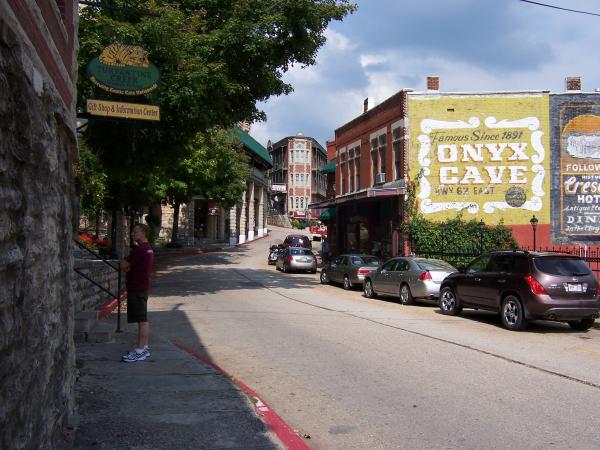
column 354, row 373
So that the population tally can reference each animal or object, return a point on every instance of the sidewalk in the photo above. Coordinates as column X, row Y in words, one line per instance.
column 172, row 400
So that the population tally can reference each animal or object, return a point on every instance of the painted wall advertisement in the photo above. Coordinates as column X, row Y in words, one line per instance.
column 482, row 156
column 578, row 171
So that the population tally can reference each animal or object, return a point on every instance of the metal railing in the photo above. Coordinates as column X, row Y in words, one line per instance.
column 116, row 296
column 464, row 256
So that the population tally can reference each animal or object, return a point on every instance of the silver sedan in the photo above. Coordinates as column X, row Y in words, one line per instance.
column 408, row 278
column 349, row 269
column 296, row 258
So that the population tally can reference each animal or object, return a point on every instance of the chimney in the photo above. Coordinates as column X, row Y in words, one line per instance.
column 433, row 83
column 573, row 83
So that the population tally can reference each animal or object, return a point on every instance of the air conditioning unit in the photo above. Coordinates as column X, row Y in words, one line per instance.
column 380, row 178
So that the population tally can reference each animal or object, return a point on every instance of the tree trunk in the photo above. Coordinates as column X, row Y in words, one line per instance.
column 175, row 231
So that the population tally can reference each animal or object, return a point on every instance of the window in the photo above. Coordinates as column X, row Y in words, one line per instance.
column 354, row 166
column 291, row 179
column 297, row 198
column 343, row 180
column 382, row 147
column 479, row 265
column 397, row 153
column 373, row 166
column 301, row 202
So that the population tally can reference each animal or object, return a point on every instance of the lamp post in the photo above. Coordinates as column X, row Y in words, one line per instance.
column 533, row 221
column 481, row 228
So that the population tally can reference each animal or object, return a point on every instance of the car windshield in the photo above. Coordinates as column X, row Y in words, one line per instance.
column 365, row 261
column 561, row 265
column 300, row 251
column 435, row 265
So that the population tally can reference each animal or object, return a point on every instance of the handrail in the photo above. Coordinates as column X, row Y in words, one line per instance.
column 117, row 269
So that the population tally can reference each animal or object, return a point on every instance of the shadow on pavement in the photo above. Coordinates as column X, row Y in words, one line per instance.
column 171, row 400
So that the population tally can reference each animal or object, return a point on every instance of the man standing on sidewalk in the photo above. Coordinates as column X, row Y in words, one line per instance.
column 138, row 266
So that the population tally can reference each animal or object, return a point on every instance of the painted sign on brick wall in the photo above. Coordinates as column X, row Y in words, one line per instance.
column 576, row 167
column 485, row 156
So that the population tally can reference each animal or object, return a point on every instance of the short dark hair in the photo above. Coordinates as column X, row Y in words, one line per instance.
column 143, row 227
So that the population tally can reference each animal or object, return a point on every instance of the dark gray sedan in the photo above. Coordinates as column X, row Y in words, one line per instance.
column 408, row 278
column 349, row 269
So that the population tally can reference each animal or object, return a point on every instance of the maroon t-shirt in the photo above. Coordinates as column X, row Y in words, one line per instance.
column 140, row 260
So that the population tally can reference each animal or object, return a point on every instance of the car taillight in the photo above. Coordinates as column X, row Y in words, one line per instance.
column 290, row 258
column 598, row 290
column 535, row 285
column 425, row 276
column 363, row 271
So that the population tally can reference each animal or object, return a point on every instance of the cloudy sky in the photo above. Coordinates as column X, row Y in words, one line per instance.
column 472, row 45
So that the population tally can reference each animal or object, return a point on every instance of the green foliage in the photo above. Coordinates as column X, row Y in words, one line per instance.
column 298, row 224
column 216, row 167
column 92, row 179
column 217, row 60
column 452, row 236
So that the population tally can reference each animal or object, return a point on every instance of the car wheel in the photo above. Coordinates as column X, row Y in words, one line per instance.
column 347, row 283
column 313, row 271
column 406, row 297
column 324, row 277
column 581, row 325
column 368, row 289
column 513, row 314
column 449, row 304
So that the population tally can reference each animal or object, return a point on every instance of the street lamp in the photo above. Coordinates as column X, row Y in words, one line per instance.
column 533, row 221
column 481, row 228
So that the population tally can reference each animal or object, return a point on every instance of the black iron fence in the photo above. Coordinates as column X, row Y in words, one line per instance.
column 461, row 257
column 98, row 256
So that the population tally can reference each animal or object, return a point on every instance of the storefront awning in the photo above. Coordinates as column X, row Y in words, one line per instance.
column 328, row 214
column 329, row 167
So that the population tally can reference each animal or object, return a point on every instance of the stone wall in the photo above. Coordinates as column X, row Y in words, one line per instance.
column 37, row 152
column 87, row 296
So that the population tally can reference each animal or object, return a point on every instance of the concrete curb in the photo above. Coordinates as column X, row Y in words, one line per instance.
column 289, row 439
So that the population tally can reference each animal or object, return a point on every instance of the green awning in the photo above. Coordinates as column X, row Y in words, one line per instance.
column 251, row 144
column 328, row 214
column 329, row 167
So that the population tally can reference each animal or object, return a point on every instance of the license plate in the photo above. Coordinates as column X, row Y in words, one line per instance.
column 574, row 287
column 304, row 260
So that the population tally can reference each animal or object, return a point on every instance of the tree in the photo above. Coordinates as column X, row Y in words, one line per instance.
column 217, row 60
column 216, row 168
column 91, row 182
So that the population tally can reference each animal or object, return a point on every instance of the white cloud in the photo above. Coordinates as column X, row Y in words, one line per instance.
column 368, row 60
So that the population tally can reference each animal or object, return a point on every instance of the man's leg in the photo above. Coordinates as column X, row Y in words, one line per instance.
column 143, row 333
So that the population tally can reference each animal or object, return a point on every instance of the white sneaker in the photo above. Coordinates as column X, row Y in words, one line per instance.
column 135, row 355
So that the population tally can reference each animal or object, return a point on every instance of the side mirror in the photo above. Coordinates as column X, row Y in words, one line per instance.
column 462, row 268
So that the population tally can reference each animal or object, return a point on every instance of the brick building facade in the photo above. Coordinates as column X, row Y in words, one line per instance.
column 296, row 178
column 494, row 156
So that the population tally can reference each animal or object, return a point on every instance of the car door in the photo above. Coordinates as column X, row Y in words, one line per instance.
column 400, row 274
column 334, row 274
column 494, row 279
column 382, row 281
column 469, row 285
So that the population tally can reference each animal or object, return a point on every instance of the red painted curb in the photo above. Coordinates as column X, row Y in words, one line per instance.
column 108, row 307
column 282, row 430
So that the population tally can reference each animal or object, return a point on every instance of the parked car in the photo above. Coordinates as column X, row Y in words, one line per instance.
column 522, row 286
column 297, row 240
column 349, row 269
column 296, row 258
column 409, row 278
column 273, row 252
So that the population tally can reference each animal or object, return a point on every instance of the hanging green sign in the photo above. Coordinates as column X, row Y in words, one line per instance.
column 123, row 69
